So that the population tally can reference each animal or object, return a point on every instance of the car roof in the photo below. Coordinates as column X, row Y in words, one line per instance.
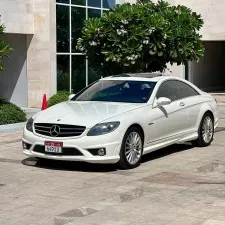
column 151, row 77
column 154, row 77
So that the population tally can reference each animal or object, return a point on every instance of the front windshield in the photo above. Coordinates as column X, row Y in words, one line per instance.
column 117, row 91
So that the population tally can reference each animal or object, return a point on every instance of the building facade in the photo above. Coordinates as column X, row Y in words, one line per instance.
column 209, row 73
column 31, row 32
column 43, row 34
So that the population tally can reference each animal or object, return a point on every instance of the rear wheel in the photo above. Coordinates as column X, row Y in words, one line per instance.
column 205, row 131
column 131, row 149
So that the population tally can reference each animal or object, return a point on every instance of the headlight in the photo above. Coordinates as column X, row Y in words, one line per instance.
column 103, row 128
column 29, row 125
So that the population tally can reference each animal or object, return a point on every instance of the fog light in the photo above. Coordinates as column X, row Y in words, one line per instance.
column 24, row 145
column 101, row 152
column 97, row 151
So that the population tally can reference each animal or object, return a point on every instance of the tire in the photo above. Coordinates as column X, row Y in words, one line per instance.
column 205, row 131
column 131, row 151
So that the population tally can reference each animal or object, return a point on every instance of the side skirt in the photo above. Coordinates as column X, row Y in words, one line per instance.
column 170, row 141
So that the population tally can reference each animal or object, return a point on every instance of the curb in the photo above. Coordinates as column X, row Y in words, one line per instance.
column 12, row 127
column 19, row 126
column 30, row 111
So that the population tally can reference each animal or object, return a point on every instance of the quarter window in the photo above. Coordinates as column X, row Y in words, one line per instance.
column 168, row 89
column 185, row 90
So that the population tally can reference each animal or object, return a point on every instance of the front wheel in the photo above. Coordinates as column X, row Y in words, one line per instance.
column 131, row 149
column 205, row 131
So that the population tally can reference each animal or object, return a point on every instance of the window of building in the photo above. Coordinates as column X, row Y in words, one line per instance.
column 74, row 71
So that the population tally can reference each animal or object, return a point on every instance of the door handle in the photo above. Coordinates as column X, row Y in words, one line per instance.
column 182, row 104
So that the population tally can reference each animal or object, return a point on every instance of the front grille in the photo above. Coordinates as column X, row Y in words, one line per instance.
column 62, row 130
column 65, row 151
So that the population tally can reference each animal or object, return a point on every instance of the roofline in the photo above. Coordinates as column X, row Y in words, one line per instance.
column 141, row 75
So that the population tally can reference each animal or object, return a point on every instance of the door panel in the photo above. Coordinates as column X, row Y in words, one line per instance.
column 167, row 122
column 170, row 119
column 179, row 117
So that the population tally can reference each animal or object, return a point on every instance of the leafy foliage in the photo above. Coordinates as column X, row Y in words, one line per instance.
column 61, row 96
column 4, row 48
column 143, row 37
column 10, row 113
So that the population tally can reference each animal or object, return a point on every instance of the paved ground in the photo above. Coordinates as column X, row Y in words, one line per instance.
column 179, row 185
column 220, row 96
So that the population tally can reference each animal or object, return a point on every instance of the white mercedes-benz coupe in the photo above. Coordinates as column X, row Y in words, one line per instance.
column 120, row 118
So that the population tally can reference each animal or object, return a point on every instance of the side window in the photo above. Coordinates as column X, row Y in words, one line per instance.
column 185, row 90
column 169, row 90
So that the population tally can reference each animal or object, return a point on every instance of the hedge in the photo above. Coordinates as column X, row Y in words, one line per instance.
column 61, row 96
column 10, row 113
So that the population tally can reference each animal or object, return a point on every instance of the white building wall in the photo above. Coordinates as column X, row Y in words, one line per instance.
column 36, row 19
column 124, row 1
column 212, row 12
column 41, row 55
column 17, row 16
column 175, row 70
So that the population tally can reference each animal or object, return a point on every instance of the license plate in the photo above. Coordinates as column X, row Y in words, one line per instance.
column 53, row 147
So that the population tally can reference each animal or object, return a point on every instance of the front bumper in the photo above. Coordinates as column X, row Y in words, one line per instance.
column 111, row 143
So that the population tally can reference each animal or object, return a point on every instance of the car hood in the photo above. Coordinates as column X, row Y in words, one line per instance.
column 83, row 113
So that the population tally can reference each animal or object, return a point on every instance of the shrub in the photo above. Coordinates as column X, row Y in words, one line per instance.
column 143, row 37
column 61, row 96
column 10, row 113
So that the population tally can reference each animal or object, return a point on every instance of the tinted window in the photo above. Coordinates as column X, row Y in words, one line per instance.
column 117, row 91
column 185, row 90
column 168, row 89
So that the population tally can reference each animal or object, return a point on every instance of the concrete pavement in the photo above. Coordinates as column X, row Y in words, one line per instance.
column 179, row 185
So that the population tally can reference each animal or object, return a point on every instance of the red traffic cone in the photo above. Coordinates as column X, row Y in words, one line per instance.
column 44, row 103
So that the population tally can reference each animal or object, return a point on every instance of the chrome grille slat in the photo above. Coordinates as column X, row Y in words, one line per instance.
column 45, row 131
column 69, row 132
column 65, row 129
column 42, row 126
column 71, row 128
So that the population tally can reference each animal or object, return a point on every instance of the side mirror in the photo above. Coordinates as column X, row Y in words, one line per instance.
column 71, row 96
column 163, row 101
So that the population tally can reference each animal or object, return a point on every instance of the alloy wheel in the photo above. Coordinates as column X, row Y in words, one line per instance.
column 133, row 148
column 207, row 129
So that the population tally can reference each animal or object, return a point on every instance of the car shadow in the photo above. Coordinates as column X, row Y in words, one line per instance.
column 99, row 168
column 68, row 165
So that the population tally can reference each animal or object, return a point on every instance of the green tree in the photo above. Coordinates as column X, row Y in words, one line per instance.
column 4, row 48
column 143, row 37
